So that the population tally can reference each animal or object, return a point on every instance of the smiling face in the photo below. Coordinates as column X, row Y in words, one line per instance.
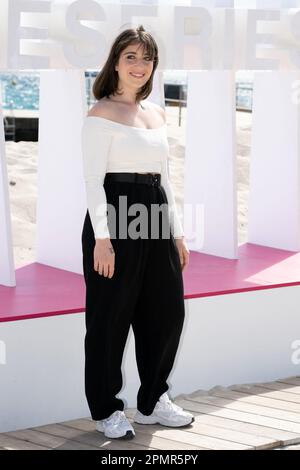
column 134, row 66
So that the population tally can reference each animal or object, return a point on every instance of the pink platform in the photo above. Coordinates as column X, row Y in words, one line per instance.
column 43, row 291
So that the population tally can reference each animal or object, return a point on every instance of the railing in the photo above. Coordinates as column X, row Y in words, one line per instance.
column 10, row 124
column 179, row 103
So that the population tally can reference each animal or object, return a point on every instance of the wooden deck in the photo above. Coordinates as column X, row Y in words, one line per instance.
column 254, row 416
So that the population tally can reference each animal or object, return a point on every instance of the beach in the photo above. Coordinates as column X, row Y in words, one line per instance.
column 22, row 159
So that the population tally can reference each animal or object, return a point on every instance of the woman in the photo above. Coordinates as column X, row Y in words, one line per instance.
column 131, row 279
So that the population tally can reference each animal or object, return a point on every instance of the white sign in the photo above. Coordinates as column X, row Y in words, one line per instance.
column 45, row 34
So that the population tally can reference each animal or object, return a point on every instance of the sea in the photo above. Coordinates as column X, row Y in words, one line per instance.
column 20, row 90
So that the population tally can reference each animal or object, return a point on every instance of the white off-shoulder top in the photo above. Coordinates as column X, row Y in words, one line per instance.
column 109, row 146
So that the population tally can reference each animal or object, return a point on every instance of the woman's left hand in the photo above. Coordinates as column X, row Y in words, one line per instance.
column 183, row 252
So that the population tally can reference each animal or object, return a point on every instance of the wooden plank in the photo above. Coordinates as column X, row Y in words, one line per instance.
column 36, row 437
column 63, row 437
column 161, row 442
column 226, row 412
column 291, row 381
column 91, row 436
column 235, row 436
column 260, row 391
column 213, row 430
column 211, row 443
column 49, row 441
column 250, row 408
column 190, row 437
column 258, row 400
column 59, row 430
column 83, row 424
column 11, row 443
column 73, row 445
column 76, row 434
column 139, row 439
column 295, row 447
column 281, row 386
column 100, row 441
column 95, row 437
column 273, row 435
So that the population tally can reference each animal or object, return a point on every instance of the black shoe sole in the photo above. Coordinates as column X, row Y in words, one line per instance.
column 128, row 435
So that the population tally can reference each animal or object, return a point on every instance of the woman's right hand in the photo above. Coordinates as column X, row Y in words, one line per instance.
column 104, row 257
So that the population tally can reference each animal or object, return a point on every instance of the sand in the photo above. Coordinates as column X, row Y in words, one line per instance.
column 22, row 176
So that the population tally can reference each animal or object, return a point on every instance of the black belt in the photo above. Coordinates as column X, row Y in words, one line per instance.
column 148, row 178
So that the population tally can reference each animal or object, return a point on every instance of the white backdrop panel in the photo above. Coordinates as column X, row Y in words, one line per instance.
column 61, row 202
column 7, row 268
column 274, row 218
column 210, row 215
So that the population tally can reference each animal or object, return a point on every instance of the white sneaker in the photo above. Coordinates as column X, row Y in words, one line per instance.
column 116, row 426
column 166, row 413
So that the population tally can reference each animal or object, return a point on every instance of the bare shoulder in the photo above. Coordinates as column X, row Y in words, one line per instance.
column 157, row 109
column 101, row 109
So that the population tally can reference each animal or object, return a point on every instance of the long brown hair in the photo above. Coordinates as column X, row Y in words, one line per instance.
column 106, row 82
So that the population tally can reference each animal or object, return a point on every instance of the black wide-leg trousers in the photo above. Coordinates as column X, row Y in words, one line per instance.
column 146, row 292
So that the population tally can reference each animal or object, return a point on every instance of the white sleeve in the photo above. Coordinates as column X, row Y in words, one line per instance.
column 175, row 223
column 96, row 140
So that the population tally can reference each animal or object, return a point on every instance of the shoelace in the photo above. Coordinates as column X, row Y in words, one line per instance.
column 118, row 417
